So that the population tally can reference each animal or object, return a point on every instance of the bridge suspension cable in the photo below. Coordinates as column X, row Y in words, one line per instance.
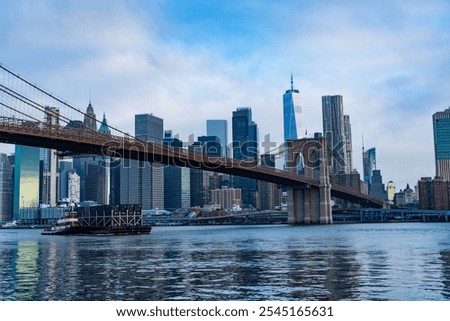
column 20, row 98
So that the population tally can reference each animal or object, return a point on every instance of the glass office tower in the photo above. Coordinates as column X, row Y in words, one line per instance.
column 291, row 106
column 441, row 131
column 26, row 178
column 219, row 128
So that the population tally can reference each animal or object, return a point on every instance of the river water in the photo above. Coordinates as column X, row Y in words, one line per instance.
column 385, row 261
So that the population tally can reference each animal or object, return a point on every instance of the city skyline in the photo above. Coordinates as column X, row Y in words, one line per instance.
column 201, row 61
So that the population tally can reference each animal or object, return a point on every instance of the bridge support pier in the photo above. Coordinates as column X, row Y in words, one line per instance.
column 305, row 204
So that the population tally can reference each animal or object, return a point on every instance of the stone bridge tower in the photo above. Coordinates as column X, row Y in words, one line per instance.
column 308, row 204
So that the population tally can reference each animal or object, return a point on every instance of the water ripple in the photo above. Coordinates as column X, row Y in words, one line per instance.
column 342, row 262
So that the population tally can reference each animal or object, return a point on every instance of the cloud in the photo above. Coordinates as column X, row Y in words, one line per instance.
column 388, row 60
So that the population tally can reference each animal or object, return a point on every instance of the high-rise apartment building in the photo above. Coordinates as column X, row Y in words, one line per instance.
column 434, row 194
column 6, row 188
column 292, row 105
column 333, row 131
column 219, row 128
column 441, row 131
column 245, row 147
column 348, row 142
column 226, row 197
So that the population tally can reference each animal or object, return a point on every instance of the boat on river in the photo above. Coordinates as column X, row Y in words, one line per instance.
column 69, row 224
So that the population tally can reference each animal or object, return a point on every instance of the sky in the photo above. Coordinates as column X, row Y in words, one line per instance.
column 189, row 61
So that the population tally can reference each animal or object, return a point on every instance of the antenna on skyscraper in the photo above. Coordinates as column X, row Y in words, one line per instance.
column 362, row 136
column 292, row 82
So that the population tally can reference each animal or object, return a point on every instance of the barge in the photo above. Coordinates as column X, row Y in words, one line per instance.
column 100, row 220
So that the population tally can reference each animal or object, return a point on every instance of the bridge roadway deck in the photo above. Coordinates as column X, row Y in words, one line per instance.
column 86, row 142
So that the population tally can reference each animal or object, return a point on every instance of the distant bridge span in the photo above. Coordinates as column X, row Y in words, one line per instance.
column 85, row 142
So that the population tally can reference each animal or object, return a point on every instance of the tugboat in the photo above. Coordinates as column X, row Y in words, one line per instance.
column 68, row 224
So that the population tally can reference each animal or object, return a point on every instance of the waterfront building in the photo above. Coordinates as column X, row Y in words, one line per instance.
column 434, row 194
column 406, row 198
column 426, row 193
column 333, row 131
column 369, row 165
column 227, row 198
column 6, row 188
column 291, row 106
column 245, row 147
column 26, row 179
column 219, row 128
column 177, row 180
column 440, row 193
column 441, row 131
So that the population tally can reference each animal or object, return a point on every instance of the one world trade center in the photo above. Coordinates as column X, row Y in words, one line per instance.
column 291, row 106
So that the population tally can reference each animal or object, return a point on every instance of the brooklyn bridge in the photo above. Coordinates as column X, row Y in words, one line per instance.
column 31, row 116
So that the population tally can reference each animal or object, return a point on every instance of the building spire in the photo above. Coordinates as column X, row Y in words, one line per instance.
column 292, row 82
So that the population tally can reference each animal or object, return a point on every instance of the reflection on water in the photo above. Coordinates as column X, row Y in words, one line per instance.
column 26, row 271
column 339, row 262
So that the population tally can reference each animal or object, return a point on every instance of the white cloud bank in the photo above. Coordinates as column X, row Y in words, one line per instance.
column 389, row 61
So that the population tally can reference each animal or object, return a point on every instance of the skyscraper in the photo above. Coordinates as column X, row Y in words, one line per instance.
column 441, row 131
column 89, row 119
column 177, row 179
column 245, row 135
column 6, row 188
column 149, row 128
column 369, row 165
column 291, row 105
column 333, row 131
column 377, row 189
column 64, row 168
column 26, row 179
column 219, row 128
column 139, row 181
column 348, row 142
column 49, row 165
column 245, row 147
